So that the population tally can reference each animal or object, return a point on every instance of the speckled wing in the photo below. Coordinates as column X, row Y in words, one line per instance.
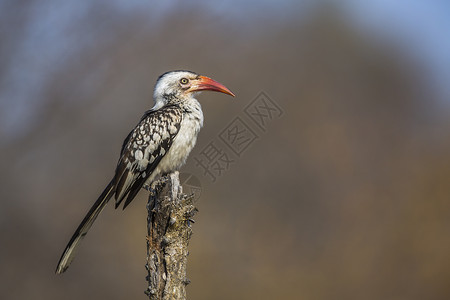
column 143, row 149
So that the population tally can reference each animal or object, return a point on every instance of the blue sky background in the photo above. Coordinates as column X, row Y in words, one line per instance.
column 419, row 28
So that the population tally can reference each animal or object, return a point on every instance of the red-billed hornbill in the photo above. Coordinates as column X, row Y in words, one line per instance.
column 158, row 145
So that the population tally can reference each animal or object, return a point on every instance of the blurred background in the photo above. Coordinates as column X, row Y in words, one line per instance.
column 343, row 196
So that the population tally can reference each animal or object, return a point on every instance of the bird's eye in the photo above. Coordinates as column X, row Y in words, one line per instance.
column 184, row 80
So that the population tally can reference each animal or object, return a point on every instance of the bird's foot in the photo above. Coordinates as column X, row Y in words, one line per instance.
column 151, row 189
column 147, row 187
column 190, row 221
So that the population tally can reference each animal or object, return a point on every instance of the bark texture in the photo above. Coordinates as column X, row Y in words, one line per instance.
column 169, row 220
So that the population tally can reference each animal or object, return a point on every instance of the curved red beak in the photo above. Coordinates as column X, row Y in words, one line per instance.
column 207, row 84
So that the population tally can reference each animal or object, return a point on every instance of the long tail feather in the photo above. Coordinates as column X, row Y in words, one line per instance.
column 69, row 253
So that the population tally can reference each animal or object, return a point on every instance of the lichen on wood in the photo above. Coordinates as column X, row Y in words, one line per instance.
column 169, row 229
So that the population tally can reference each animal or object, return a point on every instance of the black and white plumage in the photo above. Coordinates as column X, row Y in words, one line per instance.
column 159, row 144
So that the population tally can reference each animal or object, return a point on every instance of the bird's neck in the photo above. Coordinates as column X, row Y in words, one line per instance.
column 192, row 109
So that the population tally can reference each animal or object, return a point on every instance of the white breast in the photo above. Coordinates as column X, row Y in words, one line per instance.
column 183, row 143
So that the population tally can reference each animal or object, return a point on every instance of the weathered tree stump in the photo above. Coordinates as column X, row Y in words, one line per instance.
column 169, row 229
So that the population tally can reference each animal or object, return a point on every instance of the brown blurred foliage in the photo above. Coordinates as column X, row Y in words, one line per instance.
column 346, row 196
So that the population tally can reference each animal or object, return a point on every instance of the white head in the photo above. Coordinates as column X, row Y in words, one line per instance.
column 178, row 86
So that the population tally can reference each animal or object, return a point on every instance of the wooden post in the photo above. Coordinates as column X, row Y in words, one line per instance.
column 169, row 220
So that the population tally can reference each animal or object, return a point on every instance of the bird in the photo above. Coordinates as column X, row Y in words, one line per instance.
column 158, row 145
